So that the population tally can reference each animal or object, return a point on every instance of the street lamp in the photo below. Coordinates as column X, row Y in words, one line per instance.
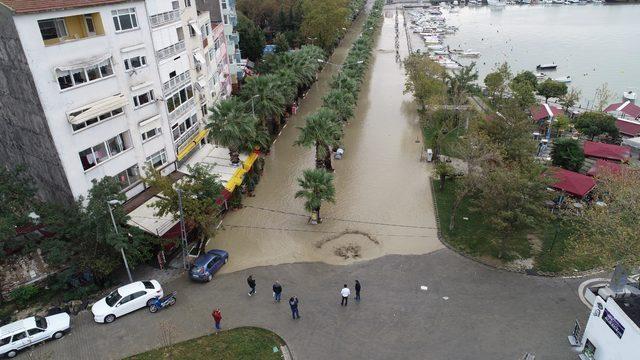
column 110, row 203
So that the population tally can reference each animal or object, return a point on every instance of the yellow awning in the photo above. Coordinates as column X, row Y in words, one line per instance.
column 192, row 144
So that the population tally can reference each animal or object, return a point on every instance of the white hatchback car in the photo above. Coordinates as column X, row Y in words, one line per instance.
column 126, row 299
column 30, row 331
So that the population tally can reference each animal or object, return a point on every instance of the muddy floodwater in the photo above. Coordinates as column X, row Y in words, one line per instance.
column 383, row 199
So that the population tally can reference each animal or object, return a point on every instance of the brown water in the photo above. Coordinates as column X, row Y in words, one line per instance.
column 383, row 200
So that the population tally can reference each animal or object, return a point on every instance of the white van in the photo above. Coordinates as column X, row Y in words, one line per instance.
column 30, row 331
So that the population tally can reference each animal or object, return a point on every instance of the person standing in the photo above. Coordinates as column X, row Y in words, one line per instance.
column 358, row 288
column 277, row 291
column 345, row 292
column 293, row 303
column 252, row 284
column 217, row 318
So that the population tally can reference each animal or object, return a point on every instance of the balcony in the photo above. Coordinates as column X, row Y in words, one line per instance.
column 60, row 30
column 164, row 18
column 175, row 83
column 186, row 137
column 181, row 110
column 170, row 50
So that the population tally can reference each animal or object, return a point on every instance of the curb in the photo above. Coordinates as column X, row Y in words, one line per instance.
column 444, row 241
column 286, row 352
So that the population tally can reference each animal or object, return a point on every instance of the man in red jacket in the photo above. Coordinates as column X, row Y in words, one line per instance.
column 217, row 317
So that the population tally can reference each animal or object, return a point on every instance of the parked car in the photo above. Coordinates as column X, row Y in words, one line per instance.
column 30, row 331
column 126, row 299
column 208, row 264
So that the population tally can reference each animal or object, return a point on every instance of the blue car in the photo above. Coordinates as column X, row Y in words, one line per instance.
column 207, row 264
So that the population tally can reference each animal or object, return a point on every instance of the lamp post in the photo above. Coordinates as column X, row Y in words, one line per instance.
column 183, row 232
column 115, row 228
column 340, row 67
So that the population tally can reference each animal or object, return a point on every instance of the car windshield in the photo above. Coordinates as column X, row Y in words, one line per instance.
column 41, row 322
column 113, row 298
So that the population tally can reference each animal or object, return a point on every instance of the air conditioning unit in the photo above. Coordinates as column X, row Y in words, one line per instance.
column 198, row 66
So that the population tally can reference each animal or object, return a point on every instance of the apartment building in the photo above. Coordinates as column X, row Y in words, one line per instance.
column 95, row 88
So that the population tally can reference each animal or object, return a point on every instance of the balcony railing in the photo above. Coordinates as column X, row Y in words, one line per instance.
column 182, row 109
column 176, row 82
column 164, row 18
column 195, row 129
column 171, row 50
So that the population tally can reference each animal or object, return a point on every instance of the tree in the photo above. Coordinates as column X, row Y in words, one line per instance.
column 512, row 199
column 608, row 234
column 268, row 103
column 443, row 171
column 552, row 89
column 461, row 84
column 570, row 99
column 422, row 80
column 200, row 191
column 341, row 102
column 251, row 38
column 323, row 132
column 560, row 124
column 594, row 124
column 523, row 94
column 603, row 97
column 526, row 77
column 230, row 126
column 281, row 43
column 323, row 19
column 567, row 153
column 17, row 194
column 317, row 187
column 438, row 125
column 510, row 131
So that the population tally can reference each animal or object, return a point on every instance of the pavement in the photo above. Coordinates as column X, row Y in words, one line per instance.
column 469, row 311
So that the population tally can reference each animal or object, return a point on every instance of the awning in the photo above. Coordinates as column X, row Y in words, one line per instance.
column 195, row 27
column 201, row 84
column 84, row 62
column 192, row 144
column 148, row 124
column 144, row 217
column 199, row 58
column 571, row 182
column 97, row 108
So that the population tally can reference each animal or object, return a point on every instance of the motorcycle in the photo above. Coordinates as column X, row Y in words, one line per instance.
column 163, row 302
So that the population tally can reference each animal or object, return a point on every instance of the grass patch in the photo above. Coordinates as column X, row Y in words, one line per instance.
column 240, row 343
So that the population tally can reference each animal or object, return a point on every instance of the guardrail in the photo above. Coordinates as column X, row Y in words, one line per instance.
column 176, row 82
column 170, row 50
column 164, row 18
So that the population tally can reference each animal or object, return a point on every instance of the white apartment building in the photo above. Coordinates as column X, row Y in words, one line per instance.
column 104, row 88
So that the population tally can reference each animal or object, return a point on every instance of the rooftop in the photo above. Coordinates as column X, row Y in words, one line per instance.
column 629, row 128
column 34, row 6
column 631, row 306
column 627, row 108
column 544, row 111
column 571, row 182
column 607, row 151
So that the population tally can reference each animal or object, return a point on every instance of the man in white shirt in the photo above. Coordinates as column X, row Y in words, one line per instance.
column 345, row 292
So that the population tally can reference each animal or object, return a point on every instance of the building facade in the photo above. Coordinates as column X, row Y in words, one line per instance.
column 104, row 88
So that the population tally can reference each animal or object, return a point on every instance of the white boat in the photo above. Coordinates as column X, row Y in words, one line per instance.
column 496, row 2
column 526, row 2
column 455, row 2
column 431, row 40
column 565, row 79
column 441, row 52
column 558, row 1
column 541, row 75
column 472, row 2
column 435, row 47
column 470, row 53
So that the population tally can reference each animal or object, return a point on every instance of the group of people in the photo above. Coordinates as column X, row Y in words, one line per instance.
column 293, row 301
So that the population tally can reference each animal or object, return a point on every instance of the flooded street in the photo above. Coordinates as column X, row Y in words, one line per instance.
column 383, row 200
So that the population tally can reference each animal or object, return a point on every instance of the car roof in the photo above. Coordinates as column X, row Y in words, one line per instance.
column 134, row 287
column 17, row 326
column 203, row 259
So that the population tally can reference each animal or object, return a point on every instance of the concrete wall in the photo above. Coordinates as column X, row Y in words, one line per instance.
column 25, row 137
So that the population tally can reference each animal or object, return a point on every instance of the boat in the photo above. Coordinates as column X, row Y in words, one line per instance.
column 565, row 79
column 455, row 2
column 551, row 66
column 472, row 2
column 496, row 2
column 541, row 75
column 470, row 53
column 435, row 47
column 558, row 1
column 441, row 52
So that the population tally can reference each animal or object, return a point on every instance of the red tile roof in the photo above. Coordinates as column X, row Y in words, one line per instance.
column 626, row 108
column 607, row 151
column 572, row 182
column 628, row 128
column 611, row 166
column 32, row 6
column 544, row 111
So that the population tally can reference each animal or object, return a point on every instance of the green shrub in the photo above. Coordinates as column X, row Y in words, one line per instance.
column 24, row 294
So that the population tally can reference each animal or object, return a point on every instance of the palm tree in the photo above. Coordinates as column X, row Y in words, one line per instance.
column 268, row 102
column 287, row 85
column 323, row 132
column 342, row 103
column 230, row 126
column 317, row 187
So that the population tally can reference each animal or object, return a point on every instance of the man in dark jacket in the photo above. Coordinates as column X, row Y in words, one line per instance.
column 293, row 302
column 277, row 291
column 358, row 288
column 252, row 285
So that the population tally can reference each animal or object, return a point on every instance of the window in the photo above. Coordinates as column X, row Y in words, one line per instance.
column 175, row 5
column 135, row 62
column 226, row 19
column 19, row 336
column 124, row 19
column 112, row 298
column 216, row 44
column 101, row 117
column 52, row 28
column 75, row 77
column 143, row 99
column 181, row 128
column 150, row 134
column 187, row 3
column 223, row 4
column 203, row 109
column 129, row 177
column 88, row 20
column 99, row 153
column 41, row 322
column 5, row 341
column 157, row 159
column 179, row 98
column 180, row 33
column 148, row 284
column 138, row 294
column 192, row 31
column 34, row 331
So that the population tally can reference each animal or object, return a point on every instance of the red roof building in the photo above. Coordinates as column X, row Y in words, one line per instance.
column 571, row 182
column 33, row 6
column 628, row 128
column 545, row 111
column 604, row 165
column 607, row 151
column 624, row 109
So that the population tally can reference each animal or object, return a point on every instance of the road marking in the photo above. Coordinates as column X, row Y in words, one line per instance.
column 585, row 284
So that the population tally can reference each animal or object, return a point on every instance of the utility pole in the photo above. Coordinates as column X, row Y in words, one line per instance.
column 115, row 227
column 183, row 231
